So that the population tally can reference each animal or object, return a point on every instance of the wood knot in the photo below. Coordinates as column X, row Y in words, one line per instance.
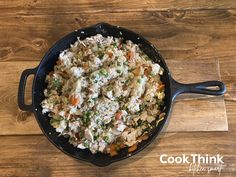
column 20, row 18
column 81, row 21
column 173, row 15
column 5, row 52
column 39, row 43
column 22, row 116
column 167, row 14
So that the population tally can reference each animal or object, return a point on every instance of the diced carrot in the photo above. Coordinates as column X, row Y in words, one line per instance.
column 85, row 66
column 110, row 54
column 161, row 87
column 144, row 137
column 129, row 55
column 147, row 70
column 113, row 147
column 122, row 145
column 74, row 100
column 113, row 153
column 132, row 148
column 118, row 115
column 137, row 71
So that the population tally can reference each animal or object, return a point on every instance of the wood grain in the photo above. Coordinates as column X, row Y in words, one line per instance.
column 12, row 118
column 197, row 114
column 22, row 152
column 194, row 71
column 182, row 30
column 190, row 114
column 73, row 6
column 228, row 74
column 179, row 35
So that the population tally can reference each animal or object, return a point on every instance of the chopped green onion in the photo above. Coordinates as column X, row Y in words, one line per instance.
column 86, row 117
column 103, row 72
column 118, row 63
column 160, row 102
column 106, row 139
column 95, row 137
column 115, row 44
column 56, row 84
column 100, row 55
column 54, row 122
column 118, row 71
column 86, row 144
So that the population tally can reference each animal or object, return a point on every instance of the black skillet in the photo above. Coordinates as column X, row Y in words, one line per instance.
column 172, row 89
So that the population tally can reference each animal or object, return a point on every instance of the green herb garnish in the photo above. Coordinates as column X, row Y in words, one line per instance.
column 118, row 63
column 86, row 117
column 86, row 144
column 54, row 122
column 103, row 72
column 100, row 55
column 115, row 44
column 56, row 84
column 118, row 71
column 106, row 139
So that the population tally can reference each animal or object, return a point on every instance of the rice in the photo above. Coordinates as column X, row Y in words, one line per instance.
column 104, row 92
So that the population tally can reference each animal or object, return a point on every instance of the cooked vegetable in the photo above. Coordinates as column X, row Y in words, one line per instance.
column 118, row 115
column 105, row 94
column 74, row 100
column 130, row 55
column 132, row 148
column 161, row 87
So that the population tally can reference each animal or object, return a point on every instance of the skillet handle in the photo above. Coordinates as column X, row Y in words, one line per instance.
column 199, row 88
column 21, row 90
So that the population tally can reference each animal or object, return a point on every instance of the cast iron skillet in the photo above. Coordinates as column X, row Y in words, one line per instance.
column 172, row 89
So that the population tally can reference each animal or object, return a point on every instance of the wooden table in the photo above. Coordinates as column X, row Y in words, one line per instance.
column 182, row 30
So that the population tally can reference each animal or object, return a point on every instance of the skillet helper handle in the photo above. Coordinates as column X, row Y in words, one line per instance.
column 199, row 88
column 21, row 90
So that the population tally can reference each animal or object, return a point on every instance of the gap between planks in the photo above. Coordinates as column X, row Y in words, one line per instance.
column 177, row 35
column 31, row 7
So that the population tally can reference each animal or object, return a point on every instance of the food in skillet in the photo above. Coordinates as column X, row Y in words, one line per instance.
column 104, row 94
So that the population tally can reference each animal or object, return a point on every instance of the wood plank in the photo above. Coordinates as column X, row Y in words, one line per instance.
column 194, row 71
column 12, row 118
column 228, row 74
column 198, row 115
column 20, row 157
column 179, row 35
column 14, row 121
column 85, row 6
column 188, row 113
